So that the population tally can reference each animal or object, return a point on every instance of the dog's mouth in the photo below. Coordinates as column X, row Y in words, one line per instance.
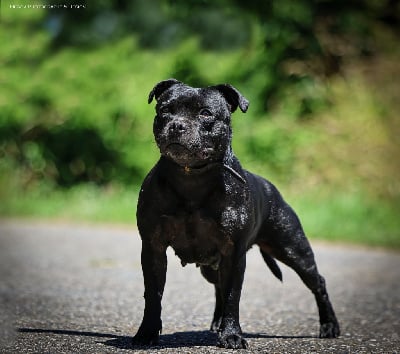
column 177, row 149
column 186, row 156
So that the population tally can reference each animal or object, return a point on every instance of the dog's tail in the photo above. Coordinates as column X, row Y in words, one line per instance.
column 272, row 265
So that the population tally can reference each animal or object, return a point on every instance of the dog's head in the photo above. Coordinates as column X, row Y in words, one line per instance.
column 192, row 126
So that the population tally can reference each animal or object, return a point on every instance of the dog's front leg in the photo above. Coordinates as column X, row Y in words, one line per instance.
column 154, row 266
column 231, row 274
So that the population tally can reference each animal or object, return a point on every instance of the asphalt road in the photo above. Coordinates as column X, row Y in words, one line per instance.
column 78, row 289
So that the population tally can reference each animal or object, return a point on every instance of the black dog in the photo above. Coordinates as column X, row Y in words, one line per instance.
column 200, row 201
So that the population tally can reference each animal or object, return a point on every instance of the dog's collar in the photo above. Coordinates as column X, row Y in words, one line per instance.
column 235, row 173
column 194, row 170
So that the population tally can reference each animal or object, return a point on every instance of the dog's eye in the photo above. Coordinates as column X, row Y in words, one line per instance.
column 205, row 112
column 165, row 110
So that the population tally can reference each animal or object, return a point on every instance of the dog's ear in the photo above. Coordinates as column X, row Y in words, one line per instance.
column 233, row 97
column 161, row 87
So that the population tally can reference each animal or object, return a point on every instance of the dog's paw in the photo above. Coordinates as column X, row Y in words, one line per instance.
column 146, row 336
column 232, row 341
column 329, row 330
column 145, row 339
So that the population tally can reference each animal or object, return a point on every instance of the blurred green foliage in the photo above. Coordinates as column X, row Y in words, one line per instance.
column 74, row 86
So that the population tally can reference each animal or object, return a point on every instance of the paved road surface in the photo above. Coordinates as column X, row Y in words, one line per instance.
column 78, row 289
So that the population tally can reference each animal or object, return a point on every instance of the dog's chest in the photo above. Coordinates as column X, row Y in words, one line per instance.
column 196, row 238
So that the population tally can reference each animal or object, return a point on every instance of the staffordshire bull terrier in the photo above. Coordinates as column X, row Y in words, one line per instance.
column 199, row 200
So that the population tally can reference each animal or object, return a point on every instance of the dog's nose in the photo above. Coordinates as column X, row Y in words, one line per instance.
column 177, row 127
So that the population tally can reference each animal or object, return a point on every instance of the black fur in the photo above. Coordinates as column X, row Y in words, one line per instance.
column 199, row 200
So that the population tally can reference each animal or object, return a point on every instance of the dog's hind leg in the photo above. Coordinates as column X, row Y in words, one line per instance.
column 287, row 242
column 298, row 255
column 316, row 283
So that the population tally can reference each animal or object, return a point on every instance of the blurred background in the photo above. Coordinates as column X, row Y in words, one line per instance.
column 322, row 78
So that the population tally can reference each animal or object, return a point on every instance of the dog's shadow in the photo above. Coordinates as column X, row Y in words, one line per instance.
column 174, row 340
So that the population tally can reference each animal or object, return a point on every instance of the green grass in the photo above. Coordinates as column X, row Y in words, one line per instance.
column 79, row 204
column 349, row 218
